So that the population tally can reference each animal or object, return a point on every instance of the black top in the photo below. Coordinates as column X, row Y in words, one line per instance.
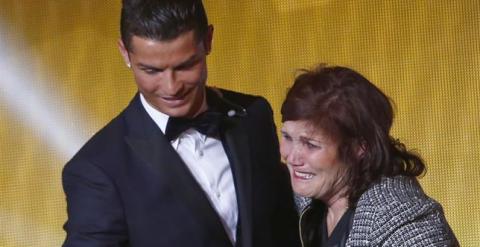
column 340, row 232
column 314, row 227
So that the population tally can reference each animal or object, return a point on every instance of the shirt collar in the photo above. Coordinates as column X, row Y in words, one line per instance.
column 158, row 117
column 161, row 119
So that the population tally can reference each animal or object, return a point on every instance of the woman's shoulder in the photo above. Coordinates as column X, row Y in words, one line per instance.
column 392, row 206
column 396, row 197
column 391, row 191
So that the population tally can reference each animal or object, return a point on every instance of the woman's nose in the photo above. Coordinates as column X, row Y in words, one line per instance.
column 295, row 156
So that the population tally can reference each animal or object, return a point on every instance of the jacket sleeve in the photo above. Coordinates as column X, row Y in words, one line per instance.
column 428, row 229
column 95, row 213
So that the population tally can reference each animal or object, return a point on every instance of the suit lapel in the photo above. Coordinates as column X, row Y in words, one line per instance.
column 236, row 144
column 148, row 142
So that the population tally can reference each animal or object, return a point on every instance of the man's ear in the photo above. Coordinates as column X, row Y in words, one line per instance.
column 208, row 40
column 124, row 53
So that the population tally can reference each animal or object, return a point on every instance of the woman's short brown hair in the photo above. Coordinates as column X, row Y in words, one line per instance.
column 358, row 115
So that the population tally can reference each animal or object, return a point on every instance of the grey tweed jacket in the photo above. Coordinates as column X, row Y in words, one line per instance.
column 396, row 212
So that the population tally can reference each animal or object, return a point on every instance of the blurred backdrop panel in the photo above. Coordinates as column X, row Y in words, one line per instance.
column 62, row 78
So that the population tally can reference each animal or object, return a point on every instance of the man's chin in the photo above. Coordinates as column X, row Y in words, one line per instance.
column 184, row 111
column 186, row 107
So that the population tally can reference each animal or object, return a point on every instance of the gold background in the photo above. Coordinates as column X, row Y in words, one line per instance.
column 62, row 78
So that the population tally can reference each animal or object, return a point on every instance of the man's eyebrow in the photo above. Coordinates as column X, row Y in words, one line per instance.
column 187, row 62
column 190, row 60
column 146, row 66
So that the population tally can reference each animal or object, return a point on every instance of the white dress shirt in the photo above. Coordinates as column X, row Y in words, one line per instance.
column 207, row 161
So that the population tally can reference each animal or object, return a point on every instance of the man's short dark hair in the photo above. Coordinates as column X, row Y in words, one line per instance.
column 161, row 20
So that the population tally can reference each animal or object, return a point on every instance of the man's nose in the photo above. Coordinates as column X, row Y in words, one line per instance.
column 172, row 86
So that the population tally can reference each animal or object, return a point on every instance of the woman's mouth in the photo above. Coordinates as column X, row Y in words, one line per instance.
column 303, row 175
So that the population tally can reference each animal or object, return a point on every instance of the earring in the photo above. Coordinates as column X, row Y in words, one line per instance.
column 129, row 65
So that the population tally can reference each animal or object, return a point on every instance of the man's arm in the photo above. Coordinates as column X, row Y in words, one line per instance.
column 95, row 213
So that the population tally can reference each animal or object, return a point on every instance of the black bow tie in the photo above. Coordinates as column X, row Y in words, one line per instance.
column 207, row 123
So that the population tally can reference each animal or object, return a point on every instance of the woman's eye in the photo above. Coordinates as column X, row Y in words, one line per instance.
column 311, row 145
column 286, row 137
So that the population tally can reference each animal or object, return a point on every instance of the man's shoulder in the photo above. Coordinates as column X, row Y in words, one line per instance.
column 239, row 97
column 106, row 141
column 103, row 139
column 253, row 104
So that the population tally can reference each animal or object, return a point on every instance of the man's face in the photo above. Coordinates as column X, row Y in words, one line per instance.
column 171, row 74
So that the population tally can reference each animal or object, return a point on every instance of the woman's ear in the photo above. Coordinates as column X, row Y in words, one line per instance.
column 360, row 149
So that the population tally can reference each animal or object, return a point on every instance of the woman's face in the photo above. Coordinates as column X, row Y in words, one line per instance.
column 312, row 160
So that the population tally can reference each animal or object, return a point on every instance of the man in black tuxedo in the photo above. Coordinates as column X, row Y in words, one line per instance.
column 182, row 165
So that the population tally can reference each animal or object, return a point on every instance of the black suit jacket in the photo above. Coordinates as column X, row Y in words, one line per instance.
column 128, row 187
